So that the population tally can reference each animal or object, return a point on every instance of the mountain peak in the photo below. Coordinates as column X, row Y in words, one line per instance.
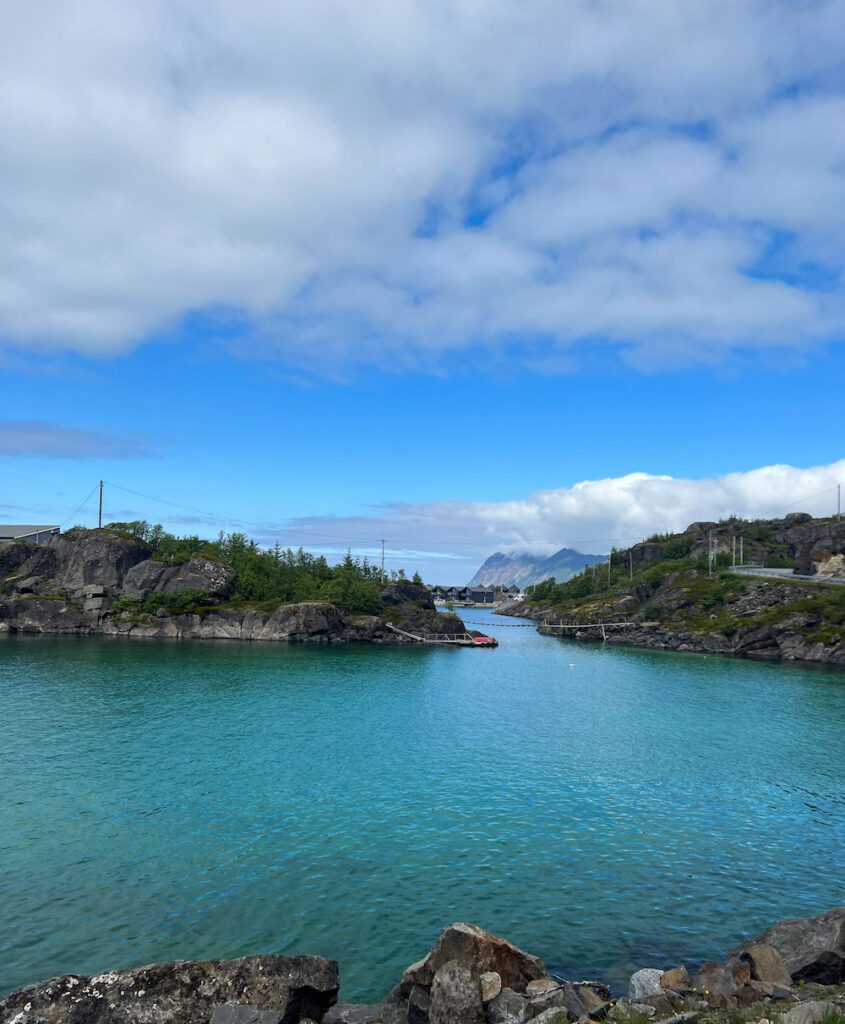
column 505, row 569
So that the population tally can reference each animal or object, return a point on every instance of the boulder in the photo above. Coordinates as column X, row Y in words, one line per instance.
column 810, row 1012
column 314, row 620
column 94, row 556
column 481, row 951
column 716, row 983
column 391, row 1010
column 554, row 1015
column 625, row 1010
column 143, row 579
column 213, row 578
column 644, row 984
column 508, row 1007
column 554, row 995
column 678, row 979
column 12, row 557
column 812, row 948
column 184, row 992
column 42, row 615
column 766, row 965
column 456, row 995
column 491, row 985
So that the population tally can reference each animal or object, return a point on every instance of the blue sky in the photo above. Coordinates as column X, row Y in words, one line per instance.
column 495, row 276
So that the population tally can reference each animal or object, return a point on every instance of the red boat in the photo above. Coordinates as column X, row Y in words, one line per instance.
column 485, row 641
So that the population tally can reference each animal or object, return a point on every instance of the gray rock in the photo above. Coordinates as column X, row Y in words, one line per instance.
column 812, row 948
column 419, row 1005
column 94, row 557
column 213, row 578
column 480, row 950
column 508, row 1007
column 554, row 1015
column 624, row 1010
column 143, row 579
column 809, row 1013
column 646, row 982
column 183, row 992
column 391, row 1010
column 237, row 1013
column 456, row 995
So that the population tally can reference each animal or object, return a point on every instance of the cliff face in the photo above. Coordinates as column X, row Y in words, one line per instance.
column 98, row 582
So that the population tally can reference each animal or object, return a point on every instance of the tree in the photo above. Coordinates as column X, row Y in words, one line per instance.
column 416, row 578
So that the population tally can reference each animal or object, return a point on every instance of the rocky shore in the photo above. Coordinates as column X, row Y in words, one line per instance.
column 102, row 583
column 668, row 600
column 794, row 973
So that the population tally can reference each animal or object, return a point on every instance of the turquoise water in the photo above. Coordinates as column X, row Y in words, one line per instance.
column 606, row 809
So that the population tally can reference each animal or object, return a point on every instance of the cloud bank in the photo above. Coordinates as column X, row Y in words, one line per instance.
column 398, row 182
column 52, row 440
column 447, row 540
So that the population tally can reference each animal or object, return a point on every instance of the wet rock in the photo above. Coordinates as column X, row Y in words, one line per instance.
column 812, row 948
column 455, row 995
column 183, row 992
column 766, row 965
column 645, row 983
column 481, row 950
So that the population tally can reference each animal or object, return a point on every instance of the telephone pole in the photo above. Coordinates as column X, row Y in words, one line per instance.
column 100, row 516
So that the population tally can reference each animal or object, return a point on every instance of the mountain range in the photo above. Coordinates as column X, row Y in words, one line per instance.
column 507, row 570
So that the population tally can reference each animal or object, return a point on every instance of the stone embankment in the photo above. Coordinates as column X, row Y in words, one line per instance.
column 95, row 582
column 792, row 974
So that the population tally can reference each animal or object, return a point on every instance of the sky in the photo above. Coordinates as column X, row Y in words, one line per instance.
column 464, row 277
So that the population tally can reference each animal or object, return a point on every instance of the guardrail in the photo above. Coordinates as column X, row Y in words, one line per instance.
column 784, row 574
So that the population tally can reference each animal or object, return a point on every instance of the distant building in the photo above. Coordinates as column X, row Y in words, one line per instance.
column 28, row 534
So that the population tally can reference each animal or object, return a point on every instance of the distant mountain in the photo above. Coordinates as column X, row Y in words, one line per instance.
column 502, row 570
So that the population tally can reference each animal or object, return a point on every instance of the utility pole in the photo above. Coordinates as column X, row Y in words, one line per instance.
column 382, row 561
column 100, row 516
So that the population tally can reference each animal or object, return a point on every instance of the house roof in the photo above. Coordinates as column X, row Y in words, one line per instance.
column 9, row 531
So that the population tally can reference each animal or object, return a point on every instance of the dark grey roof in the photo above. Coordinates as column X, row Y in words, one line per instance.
column 9, row 531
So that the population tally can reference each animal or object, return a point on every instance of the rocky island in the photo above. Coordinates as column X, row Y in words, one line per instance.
column 793, row 974
column 110, row 583
column 682, row 592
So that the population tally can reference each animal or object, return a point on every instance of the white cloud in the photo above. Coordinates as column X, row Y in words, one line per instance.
column 451, row 538
column 580, row 171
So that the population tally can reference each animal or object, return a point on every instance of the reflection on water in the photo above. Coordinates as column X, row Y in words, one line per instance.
column 606, row 809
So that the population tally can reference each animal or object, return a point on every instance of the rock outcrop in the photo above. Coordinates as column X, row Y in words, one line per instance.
column 101, row 582
column 183, row 992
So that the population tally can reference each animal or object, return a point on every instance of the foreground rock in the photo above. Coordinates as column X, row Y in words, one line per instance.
column 811, row 948
column 289, row 989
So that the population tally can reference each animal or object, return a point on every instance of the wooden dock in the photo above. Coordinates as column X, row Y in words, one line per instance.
column 455, row 639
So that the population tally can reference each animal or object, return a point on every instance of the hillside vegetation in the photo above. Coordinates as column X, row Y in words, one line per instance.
column 667, row 587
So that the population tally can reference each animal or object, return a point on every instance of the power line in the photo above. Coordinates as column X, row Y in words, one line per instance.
column 76, row 511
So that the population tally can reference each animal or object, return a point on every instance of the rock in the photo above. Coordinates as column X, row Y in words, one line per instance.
column 677, row 979
column 809, row 1013
column 183, row 992
column 591, row 1000
column 235, row 1013
column 541, row 987
column 766, row 965
column 480, row 950
column 42, row 615
column 456, row 995
column 554, row 1015
column 213, row 578
column 624, row 1010
column 682, row 1018
column 302, row 622
column 419, row 1005
column 716, row 982
column 143, row 579
column 645, row 983
column 508, row 1007
column 100, row 557
column 491, row 985
column 12, row 557
column 812, row 948
column 391, row 1010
